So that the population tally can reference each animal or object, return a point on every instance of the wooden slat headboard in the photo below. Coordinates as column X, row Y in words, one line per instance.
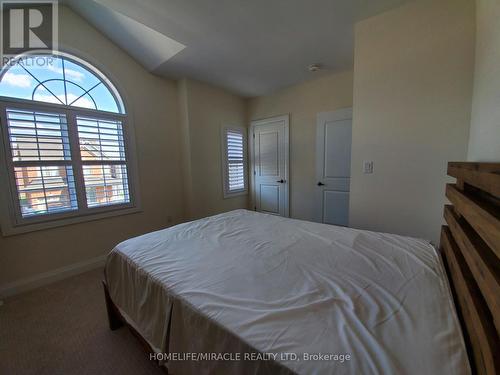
column 470, row 246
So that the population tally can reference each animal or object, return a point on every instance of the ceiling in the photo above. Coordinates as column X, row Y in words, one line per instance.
column 250, row 47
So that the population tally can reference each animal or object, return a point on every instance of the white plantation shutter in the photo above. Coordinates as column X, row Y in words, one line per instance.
column 234, row 162
column 41, row 159
column 102, row 145
column 45, row 163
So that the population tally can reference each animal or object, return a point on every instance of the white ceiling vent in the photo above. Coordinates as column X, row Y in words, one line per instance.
column 314, row 67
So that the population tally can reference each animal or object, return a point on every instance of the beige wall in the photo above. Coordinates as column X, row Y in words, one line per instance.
column 484, row 142
column 153, row 104
column 204, row 111
column 303, row 102
column 412, row 99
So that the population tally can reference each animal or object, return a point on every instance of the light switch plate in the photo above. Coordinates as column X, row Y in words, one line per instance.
column 367, row 167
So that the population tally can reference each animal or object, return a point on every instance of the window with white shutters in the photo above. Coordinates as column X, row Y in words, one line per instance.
column 41, row 160
column 65, row 144
column 234, row 161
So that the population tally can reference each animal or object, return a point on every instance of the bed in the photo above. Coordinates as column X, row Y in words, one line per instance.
column 248, row 293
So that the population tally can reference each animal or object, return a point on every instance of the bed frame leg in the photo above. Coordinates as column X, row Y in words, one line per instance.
column 114, row 318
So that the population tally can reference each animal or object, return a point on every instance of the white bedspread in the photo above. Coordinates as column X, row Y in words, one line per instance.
column 244, row 281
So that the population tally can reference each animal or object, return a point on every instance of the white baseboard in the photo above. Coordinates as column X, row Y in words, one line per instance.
column 49, row 277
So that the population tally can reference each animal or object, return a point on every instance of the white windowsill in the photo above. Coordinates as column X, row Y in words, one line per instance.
column 235, row 194
column 25, row 228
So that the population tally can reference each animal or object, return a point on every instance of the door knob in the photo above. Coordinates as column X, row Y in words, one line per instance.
column 321, row 184
column 281, row 181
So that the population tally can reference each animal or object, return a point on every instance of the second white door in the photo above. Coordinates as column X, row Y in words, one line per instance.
column 333, row 166
column 270, row 165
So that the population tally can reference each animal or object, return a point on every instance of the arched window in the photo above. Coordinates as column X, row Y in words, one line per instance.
column 66, row 142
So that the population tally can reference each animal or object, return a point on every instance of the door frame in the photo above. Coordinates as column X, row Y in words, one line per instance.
column 335, row 115
column 251, row 147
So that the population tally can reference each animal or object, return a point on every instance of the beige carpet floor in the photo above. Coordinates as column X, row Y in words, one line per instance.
column 62, row 329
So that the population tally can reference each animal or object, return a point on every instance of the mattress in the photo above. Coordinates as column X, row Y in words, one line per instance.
column 245, row 292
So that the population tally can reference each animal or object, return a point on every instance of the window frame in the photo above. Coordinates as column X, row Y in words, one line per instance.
column 225, row 165
column 11, row 220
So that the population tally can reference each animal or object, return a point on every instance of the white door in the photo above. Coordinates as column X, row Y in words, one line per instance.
column 270, row 165
column 333, row 166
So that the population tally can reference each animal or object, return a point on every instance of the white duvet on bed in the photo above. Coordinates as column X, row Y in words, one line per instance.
column 244, row 280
